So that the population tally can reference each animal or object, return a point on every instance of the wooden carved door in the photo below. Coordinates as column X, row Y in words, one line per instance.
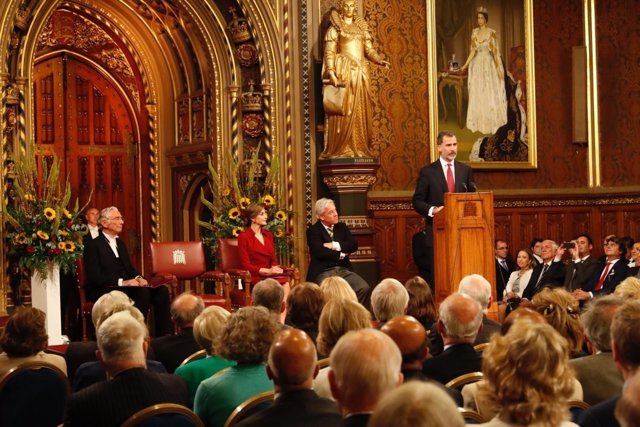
column 83, row 118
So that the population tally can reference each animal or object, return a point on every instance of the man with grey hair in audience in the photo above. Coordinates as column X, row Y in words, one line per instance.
column 330, row 245
column 122, row 350
column 268, row 293
column 171, row 350
column 388, row 300
column 459, row 323
column 365, row 366
column 479, row 288
column 597, row 373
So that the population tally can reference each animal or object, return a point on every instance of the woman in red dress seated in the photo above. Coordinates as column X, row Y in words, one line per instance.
column 257, row 249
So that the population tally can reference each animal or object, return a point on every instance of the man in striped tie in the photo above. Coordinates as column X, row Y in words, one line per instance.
column 608, row 274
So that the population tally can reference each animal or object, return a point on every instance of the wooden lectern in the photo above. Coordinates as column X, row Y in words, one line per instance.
column 463, row 241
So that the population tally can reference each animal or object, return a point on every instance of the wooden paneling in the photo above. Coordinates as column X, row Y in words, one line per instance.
column 517, row 220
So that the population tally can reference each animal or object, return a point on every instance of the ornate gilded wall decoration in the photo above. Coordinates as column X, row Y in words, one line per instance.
column 238, row 27
column 253, row 124
column 247, row 54
column 251, row 100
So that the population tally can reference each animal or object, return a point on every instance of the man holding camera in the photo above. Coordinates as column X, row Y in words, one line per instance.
column 607, row 274
column 581, row 267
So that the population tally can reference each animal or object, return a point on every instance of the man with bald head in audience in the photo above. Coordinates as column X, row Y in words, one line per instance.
column 411, row 338
column 171, row 350
column 459, row 323
column 292, row 366
column 365, row 366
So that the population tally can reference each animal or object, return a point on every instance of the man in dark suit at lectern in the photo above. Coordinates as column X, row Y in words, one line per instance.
column 444, row 175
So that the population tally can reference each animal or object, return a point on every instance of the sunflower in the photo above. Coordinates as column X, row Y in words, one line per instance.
column 281, row 215
column 268, row 200
column 225, row 191
column 20, row 238
column 244, row 202
column 61, row 245
column 236, row 231
column 66, row 214
column 29, row 197
column 50, row 214
column 279, row 232
column 234, row 213
column 68, row 246
column 41, row 234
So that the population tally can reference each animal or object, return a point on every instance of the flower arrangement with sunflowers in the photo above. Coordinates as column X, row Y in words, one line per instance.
column 41, row 229
column 235, row 187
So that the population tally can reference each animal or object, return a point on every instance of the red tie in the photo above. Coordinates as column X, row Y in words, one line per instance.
column 603, row 277
column 451, row 184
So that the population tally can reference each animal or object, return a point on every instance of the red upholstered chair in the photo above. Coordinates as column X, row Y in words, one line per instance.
column 85, row 305
column 230, row 264
column 186, row 261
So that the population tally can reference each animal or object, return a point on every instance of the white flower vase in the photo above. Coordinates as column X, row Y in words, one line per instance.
column 45, row 296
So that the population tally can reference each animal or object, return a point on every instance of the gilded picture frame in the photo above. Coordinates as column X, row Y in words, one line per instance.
column 461, row 99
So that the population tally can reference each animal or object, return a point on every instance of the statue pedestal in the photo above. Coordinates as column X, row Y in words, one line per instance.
column 349, row 179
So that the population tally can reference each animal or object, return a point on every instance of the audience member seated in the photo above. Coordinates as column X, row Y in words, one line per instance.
column 478, row 288
column 24, row 339
column 550, row 272
column 365, row 366
column 337, row 318
column 304, row 306
column 517, row 282
column 582, row 265
column 459, row 324
column 269, row 294
column 107, row 265
column 629, row 288
column 504, row 266
column 389, row 299
column 628, row 407
column 245, row 339
column 411, row 339
column 608, row 273
column 292, row 366
column 330, row 245
column 479, row 402
column 421, row 305
column 93, row 372
column 597, row 373
column 335, row 287
column 257, row 249
column 122, row 350
column 562, row 312
column 527, row 377
column 206, row 329
column 416, row 404
column 634, row 265
column 171, row 350
column 625, row 336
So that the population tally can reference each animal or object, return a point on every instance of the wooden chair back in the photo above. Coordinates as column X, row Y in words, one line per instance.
column 200, row 354
column 471, row 417
column 250, row 406
column 462, row 380
column 86, row 306
column 185, row 260
column 164, row 415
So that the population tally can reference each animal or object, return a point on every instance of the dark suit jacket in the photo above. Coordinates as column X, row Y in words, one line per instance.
column 171, row 350
column 600, row 415
column 578, row 274
column 553, row 276
column 431, row 186
column 324, row 258
column 502, row 275
column 489, row 327
column 618, row 272
column 356, row 420
column 296, row 409
column 102, row 267
column 599, row 377
column 110, row 403
column 93, row 372
column 456, row 360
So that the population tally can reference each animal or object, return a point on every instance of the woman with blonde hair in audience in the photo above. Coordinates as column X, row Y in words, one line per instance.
column 562, row 311
column 24, row 339
column 629, row 288
column 245, row 339
column 527, row 377
column 206, row 329
column 338, row 317
column 335, row 287
column 421, row 303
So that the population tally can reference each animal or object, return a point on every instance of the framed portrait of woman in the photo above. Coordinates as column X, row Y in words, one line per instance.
column 482, row 80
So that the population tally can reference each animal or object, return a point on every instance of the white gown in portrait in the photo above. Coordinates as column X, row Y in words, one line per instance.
column 487, row 109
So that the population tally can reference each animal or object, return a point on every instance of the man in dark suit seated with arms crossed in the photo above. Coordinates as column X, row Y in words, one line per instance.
column 444, row 175
column 107, row 265
column 330, row 243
